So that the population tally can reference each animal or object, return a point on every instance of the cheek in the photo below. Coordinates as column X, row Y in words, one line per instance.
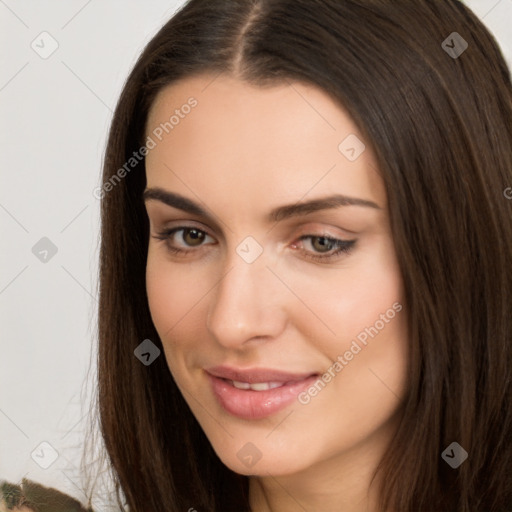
column 366, row 365
column 174, row 297
column 374, row 349
column 350, row 300
column 165, row 297
column 173, row 304
column 370, row 388
column 363, row 328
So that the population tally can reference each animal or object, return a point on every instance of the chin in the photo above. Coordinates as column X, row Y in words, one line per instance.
column 257, row 459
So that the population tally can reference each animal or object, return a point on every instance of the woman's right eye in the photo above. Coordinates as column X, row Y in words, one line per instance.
column 190, row 237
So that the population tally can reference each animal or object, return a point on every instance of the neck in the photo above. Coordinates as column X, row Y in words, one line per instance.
column 292, row 494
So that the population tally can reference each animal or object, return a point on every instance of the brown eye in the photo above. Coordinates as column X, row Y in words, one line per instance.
column 325, row 249
column 322, row 243
column 193, row 237
column 182, row 240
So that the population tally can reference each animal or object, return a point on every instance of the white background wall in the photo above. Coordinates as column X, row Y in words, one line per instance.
column 54, row 116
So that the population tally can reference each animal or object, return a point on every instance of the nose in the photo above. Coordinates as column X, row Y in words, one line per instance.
column 247, row 306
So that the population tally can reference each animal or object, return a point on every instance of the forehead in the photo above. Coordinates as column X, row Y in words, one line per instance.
column 241, row 139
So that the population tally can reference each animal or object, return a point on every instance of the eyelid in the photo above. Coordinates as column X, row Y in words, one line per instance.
column 167, row 233
column 319, row 230
column 160, row 227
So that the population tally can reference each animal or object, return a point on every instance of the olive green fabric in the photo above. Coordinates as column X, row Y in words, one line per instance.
column 37, row 498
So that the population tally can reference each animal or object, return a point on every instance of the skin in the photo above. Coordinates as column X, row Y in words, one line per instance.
column 242, row 151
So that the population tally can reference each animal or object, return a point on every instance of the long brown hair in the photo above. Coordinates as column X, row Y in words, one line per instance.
column 440, row 124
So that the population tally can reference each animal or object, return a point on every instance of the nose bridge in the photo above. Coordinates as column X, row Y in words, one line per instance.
column 245, row 304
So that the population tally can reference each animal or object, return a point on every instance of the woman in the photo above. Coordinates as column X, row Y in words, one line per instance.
column 305, row 282
column 404, row 110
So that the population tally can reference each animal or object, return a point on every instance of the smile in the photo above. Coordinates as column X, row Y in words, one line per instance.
column 256, row 394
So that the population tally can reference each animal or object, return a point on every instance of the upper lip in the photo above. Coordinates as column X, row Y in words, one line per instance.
column 256, row 375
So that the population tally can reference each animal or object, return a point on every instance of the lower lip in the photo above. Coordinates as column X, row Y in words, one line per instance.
column 254, row 405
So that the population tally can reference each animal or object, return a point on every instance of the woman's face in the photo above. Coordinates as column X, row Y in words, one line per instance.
column 282, row 315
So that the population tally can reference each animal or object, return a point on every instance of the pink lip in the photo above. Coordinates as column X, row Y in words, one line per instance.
column 256, row 374
column 252, row 405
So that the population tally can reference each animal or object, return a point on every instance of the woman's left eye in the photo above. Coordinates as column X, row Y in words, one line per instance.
column 326, row 248
column 321, row 248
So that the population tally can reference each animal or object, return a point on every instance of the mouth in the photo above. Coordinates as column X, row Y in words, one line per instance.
column 257, row 393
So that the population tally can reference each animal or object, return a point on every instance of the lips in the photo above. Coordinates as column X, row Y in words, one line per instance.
column 256, row 393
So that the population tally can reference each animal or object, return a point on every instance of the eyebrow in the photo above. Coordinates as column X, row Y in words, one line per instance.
column 277, row 214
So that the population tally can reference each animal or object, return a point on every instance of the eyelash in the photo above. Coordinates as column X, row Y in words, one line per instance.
column 342, row 247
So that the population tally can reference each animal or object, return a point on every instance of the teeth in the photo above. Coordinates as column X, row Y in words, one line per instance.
column 240, row 385
column 257, row 386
